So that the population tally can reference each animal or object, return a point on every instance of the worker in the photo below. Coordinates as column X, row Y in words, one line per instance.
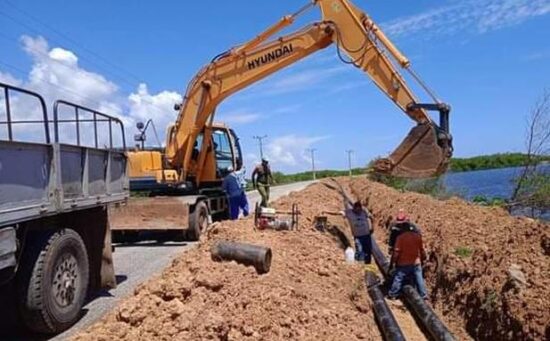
column 235, row 193
column 361, row 228
column 407, row 260
column 400, row 224
column 241, row 173
column 262, row 180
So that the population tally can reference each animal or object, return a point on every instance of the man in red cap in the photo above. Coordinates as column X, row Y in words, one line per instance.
column 400, row 224
column 407, row 260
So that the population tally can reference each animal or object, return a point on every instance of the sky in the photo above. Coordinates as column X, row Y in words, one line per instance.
column 489, row 59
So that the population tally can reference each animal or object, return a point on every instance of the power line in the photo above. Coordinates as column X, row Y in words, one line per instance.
column 312, row 151
column 67, row 90
column 69, row 68
column 119, row 77
column 73, row 41
column 58, row 62
column 260, row 142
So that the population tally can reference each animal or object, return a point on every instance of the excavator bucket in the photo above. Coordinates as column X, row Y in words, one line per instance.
column 425, row 152
column 155, row 213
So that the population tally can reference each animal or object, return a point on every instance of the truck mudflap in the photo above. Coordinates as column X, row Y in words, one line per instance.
column 8, row 247
column 107, row 272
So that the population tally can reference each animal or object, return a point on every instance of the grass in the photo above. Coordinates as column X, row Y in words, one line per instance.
column 463, row 252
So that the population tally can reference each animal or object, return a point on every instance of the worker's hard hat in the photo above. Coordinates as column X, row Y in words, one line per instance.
column 265, row 159
column 230, row 168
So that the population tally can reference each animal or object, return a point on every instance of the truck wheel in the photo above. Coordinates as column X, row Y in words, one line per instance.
column 198, row 222
column 53, row 281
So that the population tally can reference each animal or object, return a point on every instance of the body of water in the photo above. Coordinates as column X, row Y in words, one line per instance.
column 489, row 183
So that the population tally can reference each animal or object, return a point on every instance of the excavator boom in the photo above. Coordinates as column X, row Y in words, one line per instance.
column 424, row 152
column 188, row 172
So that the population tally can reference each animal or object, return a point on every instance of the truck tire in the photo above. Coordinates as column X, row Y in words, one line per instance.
column 53, row 281
column 198, row 221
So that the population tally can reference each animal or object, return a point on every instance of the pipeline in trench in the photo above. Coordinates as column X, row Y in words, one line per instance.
column 422, row 312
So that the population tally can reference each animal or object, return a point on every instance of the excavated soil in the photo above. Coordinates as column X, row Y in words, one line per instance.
column 310, row 293
column 488, row 276
column 488, row 272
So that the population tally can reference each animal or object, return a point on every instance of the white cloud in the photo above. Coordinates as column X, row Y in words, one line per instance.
column 536, row 56
column 242, row 116
column 9, row 79
column 305, row 80
column 56, row 74
column 290, row 150
column 158, row 107
column 474, row 16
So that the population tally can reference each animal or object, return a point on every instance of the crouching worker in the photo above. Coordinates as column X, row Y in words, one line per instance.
column 401, row 224
column 361, row 228
column 406, row 262
column 235, row 194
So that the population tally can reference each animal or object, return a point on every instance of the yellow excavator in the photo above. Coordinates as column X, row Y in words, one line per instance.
column 198, row 151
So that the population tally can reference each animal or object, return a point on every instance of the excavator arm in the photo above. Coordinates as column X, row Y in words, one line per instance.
column 424, row 152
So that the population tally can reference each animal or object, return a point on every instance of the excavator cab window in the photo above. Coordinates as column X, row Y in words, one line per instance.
column 222, row 150
column 236, row 149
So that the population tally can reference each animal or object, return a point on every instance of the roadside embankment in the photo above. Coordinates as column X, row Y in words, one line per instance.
column 487, row 272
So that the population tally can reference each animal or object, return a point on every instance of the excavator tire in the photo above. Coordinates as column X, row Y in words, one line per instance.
column 198, row 221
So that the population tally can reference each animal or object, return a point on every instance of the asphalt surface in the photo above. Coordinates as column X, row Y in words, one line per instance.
column 138, row 262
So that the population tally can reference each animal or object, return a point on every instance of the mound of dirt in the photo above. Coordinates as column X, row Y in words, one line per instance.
column 309, row 293
column 487, row 270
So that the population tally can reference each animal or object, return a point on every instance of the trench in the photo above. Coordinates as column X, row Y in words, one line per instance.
column 428, row 321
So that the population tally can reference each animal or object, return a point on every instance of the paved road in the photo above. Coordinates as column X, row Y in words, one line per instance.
column 136, row 263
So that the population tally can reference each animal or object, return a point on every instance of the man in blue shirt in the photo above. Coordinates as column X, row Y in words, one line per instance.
column 235, row 192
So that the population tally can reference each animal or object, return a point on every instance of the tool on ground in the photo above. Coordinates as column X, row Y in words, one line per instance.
column 257, row 256
column 268, row 218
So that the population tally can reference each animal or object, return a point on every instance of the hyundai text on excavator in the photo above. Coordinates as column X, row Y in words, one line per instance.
column 198, row 151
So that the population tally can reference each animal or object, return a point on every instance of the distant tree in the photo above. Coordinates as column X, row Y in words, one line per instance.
column 532, row 186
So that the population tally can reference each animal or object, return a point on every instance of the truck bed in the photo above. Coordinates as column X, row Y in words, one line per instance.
column 37, row 180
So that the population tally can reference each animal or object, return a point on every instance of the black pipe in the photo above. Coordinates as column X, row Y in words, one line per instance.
column 257, row 256
column 421, row 311
column 388, row 325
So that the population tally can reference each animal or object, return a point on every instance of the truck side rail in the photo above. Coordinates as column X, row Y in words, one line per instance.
column 44, row 179
column 97, row 117
column 9, row 121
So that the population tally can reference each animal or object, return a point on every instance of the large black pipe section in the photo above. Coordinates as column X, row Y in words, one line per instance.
column 422, row 311
column 388, row 325
column 257, row 256
column 383, row 314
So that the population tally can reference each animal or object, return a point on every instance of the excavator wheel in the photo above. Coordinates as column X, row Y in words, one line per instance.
column 198, row 222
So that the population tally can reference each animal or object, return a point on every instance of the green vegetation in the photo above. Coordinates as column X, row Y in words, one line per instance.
column 492, row 161
column 489, row 201
column 533, row 191
column 281, row 178
column 463, row 252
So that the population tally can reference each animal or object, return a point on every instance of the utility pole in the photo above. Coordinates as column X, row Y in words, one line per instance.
column 349, row 151
column 260, row 142
column 312, row 151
